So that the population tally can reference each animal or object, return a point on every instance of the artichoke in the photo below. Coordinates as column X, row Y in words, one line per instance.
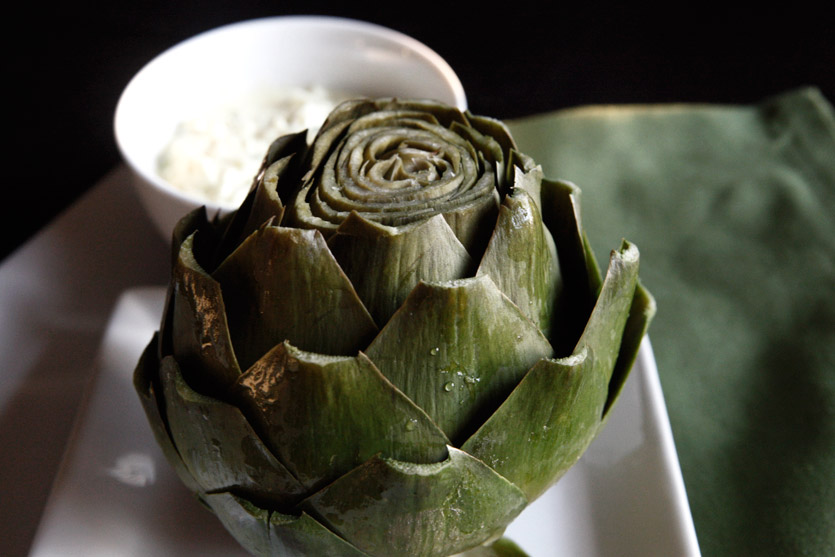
column 397, row 342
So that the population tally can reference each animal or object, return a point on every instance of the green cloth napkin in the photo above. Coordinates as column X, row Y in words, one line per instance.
column 733, row 209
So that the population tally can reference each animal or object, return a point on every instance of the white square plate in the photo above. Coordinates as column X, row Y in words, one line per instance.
column 116, row 495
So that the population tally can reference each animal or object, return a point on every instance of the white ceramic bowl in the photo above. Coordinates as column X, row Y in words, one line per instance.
column 225, row 63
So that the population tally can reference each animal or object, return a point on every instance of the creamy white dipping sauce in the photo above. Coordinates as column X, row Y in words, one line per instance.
column 216, row 155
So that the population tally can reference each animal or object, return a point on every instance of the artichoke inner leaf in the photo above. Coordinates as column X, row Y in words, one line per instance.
column 446, row 174
column 488, row 148
column 522, row 260
column 457, row 350
column 495, row 129
column 284, row 284
column 472, row 220
column 385, row 263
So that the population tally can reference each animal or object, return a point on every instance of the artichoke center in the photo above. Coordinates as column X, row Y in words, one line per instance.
column 414, row 163
column 394, row 169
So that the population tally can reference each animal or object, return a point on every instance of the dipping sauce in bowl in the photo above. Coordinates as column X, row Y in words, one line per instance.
column 216, row 154
column 195, row 122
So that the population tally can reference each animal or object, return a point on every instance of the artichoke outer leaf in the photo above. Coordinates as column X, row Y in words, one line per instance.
column 199, row 334
column 247, row 523
column 520, row 160
column 493, row 128
column 304, row 536
column 605, row 328
column 329, row 134
column 219, row 446
column 389, row 109
column 529, row 181
column 457, row 350
column 145, row 382
column 325, row 415
column 503, row 547
column 385, row 263
column 545, row 425
column 205, row 238
column 522, row 260
column 560, row 205
column 391, row 508
column 195, row 220
column 265, row 532
column 284, row 284
column 640, row 315
column 283, row 147
column 549, row 420
column 270, row 190
column 490, row 147
column 266, row 204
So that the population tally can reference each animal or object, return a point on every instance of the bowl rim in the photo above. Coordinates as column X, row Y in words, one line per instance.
column 375, row 29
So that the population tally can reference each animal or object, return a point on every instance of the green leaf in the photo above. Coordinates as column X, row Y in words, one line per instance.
column 500, row 548
column 266, row 204
column 146, row 383
column 200, row 338
column 605, row 328
column 391, row 508
column 385, row 263
column 284, row 284
column 400, row 162
column 640, row 315
column 521, row 258
column 581, row 277
column 277, row 177
column 218, row 445
column 457, row 350
column 495, row 129
column 491, row 149
column 263, row 532
column 473, row 221
column 195, row 220
column 546, row 424
column 529, row 181
column 324, row 415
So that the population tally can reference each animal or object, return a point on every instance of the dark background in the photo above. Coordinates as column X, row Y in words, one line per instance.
column 69, row 63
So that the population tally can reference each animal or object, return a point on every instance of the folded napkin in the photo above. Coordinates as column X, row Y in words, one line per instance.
column 733, row 209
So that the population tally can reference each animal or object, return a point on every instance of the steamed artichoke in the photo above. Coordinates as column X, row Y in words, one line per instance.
column 397, row 342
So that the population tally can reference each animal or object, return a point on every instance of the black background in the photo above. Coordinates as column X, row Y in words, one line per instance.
column 69, row 63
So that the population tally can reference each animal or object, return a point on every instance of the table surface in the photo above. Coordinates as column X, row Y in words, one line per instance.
column 65, row 260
